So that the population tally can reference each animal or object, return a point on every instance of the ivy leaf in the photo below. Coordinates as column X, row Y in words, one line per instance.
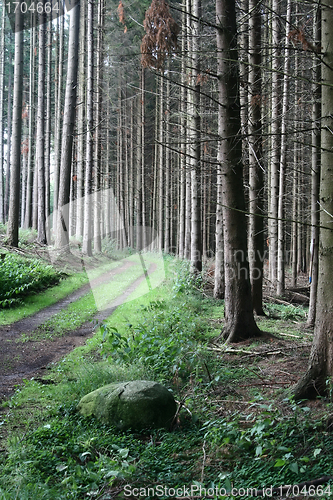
column 294, row 467
column 280, row 463
column 258, row 451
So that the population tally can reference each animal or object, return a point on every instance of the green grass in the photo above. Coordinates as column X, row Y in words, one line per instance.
column 222, row 440
column 67, row 320
column 35, row 303
column 82, row 310
column 291, row 320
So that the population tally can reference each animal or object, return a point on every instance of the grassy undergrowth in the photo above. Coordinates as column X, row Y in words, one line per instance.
column 34, row 303
column 226, row 436
column 20, row 276
column 76, row 314
column 84, row 309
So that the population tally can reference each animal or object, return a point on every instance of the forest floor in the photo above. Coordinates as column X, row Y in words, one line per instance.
column 237, row 423
column 25, row 352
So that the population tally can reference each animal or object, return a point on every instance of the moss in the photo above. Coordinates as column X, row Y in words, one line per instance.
column 130, row 405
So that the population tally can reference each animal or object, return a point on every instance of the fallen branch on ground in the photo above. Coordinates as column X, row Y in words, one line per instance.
column 258, row 353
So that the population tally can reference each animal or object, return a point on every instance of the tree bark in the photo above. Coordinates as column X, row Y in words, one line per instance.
column 280, row 289
column 31, row 133
column 41, row 232
column 320, row 370
column 239, row 319
column 48, row 127
column 194, row 142
column 80, row 124
column 15, row 159
column 219, row 283
column 167, row 166
column 315, row 176
column 87, row 224
column 62, row 234
column 98, row 132
column 9, row 136
column 143, row 162
column 161, row 190
column 275, row 150
column 188, row 190
column 59, row 123
column 131, row 178
column 2, row 68
column 182, row 158
column 138, row 188
column 256, row 169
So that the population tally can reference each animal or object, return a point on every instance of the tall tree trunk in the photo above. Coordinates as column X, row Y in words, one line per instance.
column 15, row 159
column 188, row 190
column 182, row 160
column 294, row 233
column 283, row 161
column 300, row 249
column 24, row 173
column 244, row 31
column 296, row 197
column 256, row 171
column 315, row 176
column 131, row 179
column 80, row 124
column 155, row 245
column 59, row 123
column 62, row 235
column 219, row 283
column 121, row 169
column 167, row 166
column 138, row 189
column 143, row 162
column 41, row 236
column 35, row 195
column 161, row 190
column 275, row 150
column 31, row 143
column 194, row 140
column 98, row 125
column 2, row 70
column 24, row 152
column 48, row 126
column 187, row 249
column 9, row 138
column 239, row 319
column 87, row 224
column 320, row 369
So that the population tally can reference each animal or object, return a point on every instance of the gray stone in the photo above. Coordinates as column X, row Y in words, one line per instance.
column 135, row 405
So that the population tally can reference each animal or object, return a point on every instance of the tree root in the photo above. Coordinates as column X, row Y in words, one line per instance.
column 311, row 386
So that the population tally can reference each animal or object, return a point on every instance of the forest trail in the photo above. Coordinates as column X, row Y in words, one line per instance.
column 20, row 360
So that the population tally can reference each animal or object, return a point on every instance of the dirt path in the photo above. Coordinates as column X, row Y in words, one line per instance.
column 20, row 360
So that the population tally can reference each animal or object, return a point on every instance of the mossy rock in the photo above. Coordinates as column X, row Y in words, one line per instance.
column 135, row 405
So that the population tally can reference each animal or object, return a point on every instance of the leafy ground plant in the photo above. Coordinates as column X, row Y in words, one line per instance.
column 20, row 276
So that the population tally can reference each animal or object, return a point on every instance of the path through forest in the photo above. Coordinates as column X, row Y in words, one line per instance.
column 21, row 360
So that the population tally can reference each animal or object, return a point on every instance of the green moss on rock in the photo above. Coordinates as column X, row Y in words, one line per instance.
column 135, row 405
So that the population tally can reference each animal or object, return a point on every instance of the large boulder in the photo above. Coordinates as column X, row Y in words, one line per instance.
column 135, row 405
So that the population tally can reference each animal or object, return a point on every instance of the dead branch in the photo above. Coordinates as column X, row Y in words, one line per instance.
column 290, row 335
column 279, row 301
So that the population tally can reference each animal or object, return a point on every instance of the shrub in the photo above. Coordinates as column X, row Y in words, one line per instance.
column 20, row 276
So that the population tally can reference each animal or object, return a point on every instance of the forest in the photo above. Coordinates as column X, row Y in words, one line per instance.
column 165, row 216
